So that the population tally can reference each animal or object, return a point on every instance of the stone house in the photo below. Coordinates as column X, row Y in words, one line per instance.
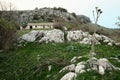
column 39, row 26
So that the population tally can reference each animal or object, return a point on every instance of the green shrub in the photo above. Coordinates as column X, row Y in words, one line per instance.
column 7, row 35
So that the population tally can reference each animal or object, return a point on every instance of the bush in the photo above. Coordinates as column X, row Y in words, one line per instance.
column 59, row 26
column 7, row 35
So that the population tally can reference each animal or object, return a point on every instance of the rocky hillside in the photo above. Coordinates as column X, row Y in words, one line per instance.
column 50, row 15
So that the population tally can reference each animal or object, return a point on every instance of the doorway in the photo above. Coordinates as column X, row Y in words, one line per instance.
column 31, row 27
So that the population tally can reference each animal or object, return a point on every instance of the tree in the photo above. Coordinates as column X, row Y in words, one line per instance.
column 118, row 23
column 73, row 14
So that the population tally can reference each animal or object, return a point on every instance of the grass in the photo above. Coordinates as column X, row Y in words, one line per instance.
column 22, row 32
column 31, row 61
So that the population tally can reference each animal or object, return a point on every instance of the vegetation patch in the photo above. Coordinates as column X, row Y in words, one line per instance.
column 32, row 61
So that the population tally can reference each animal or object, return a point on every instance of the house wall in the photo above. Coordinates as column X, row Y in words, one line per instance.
column 27, row 27
column 40, row 27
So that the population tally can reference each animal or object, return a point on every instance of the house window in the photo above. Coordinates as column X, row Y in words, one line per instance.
column 43, row 26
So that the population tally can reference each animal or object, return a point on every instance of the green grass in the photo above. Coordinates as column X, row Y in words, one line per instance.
column 24, row 31
column 23, row 63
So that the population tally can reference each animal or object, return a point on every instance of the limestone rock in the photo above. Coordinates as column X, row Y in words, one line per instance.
column 69, row 76
column 53, row 36
column 74, row 35
column 49, row 67
column 101, row 70
column 69, row 68
column 93, row 63
column 73, row 60
column 82, row 71
column 31, row 36
column 117, row 44
column 86, row 41
column 110, row 44
column 80, row 67
column 98, row 37
column 105, row 64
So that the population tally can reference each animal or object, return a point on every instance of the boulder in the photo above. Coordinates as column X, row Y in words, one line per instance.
column 93, row 63
column 69, row 76
column 79, row 68
column 33, row 35
column 74, row 35
column 110, row 44
column 117, row 44
column 105, row 64
column 98, row 37
column 107, row 39
column 53, row 36
column 89, row 40
column 30, row 37
column 86, row 41
column 101, row 70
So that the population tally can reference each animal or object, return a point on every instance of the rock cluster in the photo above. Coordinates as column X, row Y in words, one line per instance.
column 44, row 36
column 86, row 38
column 99, row 65
column 59, row 36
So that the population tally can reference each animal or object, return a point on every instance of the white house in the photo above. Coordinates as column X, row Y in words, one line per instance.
column 39, row 26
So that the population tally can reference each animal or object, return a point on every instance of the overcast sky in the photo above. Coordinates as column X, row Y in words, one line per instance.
column 108, row 18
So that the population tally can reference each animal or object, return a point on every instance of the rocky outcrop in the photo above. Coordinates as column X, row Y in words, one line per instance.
column 86, row 38
column 59, row 36
column 44, row 36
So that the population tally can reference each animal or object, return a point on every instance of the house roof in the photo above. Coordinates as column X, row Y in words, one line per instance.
column 39, row 24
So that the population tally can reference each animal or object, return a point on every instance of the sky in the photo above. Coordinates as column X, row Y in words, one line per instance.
column 108, row 18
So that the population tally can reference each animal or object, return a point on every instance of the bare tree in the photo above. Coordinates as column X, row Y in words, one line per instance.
column 96, row 18
column 6, row 6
